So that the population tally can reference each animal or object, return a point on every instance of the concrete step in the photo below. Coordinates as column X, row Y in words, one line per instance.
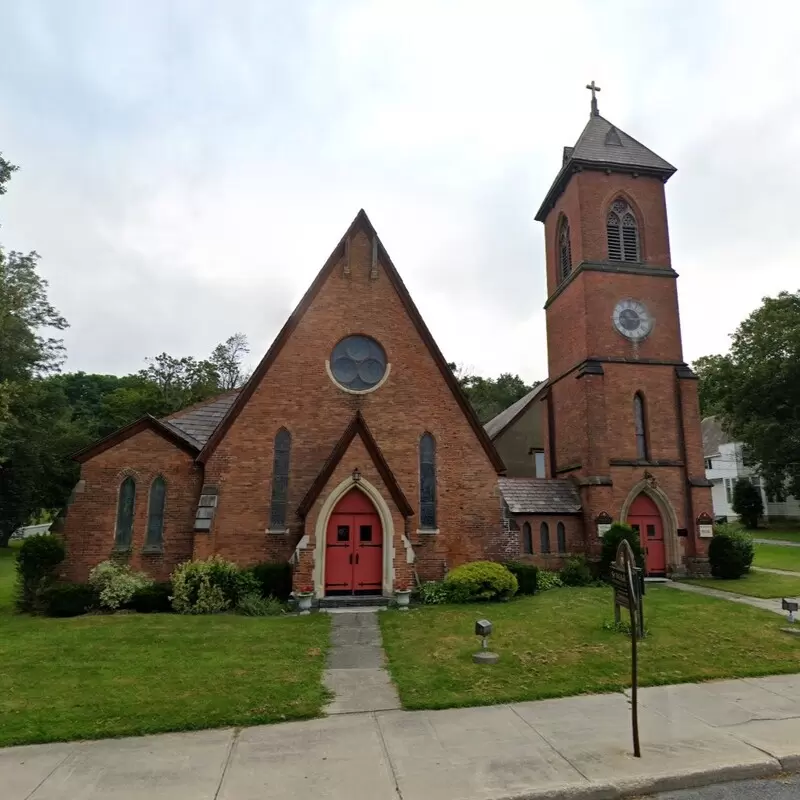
column 369, row 601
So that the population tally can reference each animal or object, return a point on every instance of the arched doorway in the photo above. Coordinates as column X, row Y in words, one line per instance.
column 644, row 517
column 354, row 547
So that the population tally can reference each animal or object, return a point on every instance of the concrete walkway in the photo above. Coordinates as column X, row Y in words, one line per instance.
column 781, row 542
column 757, row 602
column 355, row 673
column 579, row 747
column 776, row 571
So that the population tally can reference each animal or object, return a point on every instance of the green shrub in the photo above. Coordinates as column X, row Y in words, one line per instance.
column 526, row 575
column 730, row 554
column 274, row 578
column 433, row 593
column 747, row 502
column 153, row 599
column 548, row 580
column 37, row 560
column 611, row 539
column 116, row 584
column 210, row 586
column 68, row 599
column 480, row 580
column 576, row 572
column 254, row 605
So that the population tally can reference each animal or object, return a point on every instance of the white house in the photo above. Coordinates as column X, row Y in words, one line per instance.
column 725, row 464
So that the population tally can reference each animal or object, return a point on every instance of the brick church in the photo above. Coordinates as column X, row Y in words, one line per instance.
column 352, row 453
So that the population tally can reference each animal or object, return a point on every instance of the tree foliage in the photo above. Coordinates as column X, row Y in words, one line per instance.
column 489, row 396
column 755, row 389
column 747, row 503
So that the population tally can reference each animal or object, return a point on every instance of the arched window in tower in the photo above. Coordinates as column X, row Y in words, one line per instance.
column 622, row 231
column 527, row 539
column 544, row 537
column 564, row 251
column 561, row 537
column 123, row 535
column 280, row 479
column 427, row 482
column 640, row 426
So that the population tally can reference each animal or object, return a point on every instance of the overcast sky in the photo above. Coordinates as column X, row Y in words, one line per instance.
column 187, row 167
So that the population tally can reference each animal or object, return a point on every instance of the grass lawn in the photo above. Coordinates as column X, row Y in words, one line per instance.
column 554, row 645
column 774, row 556
column 755, row 584
column 787, row 535
column 128, row 674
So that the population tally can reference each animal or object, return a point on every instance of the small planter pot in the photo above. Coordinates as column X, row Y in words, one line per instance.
column 304, row 603
column 403, row 596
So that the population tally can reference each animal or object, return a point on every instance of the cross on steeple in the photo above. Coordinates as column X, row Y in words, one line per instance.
column 591, row 86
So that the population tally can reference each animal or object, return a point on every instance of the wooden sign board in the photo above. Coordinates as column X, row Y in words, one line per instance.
column 705, row 531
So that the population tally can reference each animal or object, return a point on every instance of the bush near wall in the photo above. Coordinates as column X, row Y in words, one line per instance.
column 37, row 560
column 274, row 579
column 210, row 586
column 69, row 599
column 480, row 581
column 730, row 553
column 611, row 539
column 527, row 576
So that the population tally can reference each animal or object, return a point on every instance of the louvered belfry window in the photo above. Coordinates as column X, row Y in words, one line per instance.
column 623, row 233
column 280, row 479
column 564, row 251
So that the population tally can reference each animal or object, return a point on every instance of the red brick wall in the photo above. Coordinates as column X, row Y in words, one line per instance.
column 91, row 519
column 573, row 528
column 298, row 394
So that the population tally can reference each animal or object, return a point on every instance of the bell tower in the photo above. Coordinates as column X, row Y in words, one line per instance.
column 622, row 417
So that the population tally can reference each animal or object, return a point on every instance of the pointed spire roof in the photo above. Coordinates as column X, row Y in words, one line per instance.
column 603, row 146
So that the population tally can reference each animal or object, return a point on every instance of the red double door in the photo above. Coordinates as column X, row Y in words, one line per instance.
column 644, row 518
column 354, row 547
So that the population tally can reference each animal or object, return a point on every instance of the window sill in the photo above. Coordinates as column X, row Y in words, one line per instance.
column 122, row 549
column 427, row 531
column 277, row 531
column 152, row 550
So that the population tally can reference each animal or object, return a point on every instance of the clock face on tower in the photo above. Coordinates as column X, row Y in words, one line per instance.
column 632, row 320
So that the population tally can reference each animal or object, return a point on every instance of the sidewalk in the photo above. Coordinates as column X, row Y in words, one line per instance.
column 579, row 747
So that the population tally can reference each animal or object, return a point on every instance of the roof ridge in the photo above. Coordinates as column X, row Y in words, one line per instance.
column 200, row 404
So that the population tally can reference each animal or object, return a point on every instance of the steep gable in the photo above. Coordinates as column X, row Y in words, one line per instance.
column 381, row 261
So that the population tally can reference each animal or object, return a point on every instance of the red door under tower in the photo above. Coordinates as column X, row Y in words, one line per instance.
column 644, row 517
column 354, row 547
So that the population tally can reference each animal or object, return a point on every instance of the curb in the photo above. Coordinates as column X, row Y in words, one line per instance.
column 636, row 787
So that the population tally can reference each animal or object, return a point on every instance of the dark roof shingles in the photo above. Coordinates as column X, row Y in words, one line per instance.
column 198, row 423
column 540, row 495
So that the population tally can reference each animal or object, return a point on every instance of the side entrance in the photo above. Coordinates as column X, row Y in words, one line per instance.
column 354, row 547
column 644, row 518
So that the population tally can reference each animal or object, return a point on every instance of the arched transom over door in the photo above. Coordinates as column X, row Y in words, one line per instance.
column 354, row 547
column 644, row 517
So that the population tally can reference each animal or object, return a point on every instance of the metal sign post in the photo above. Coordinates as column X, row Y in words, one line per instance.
column 626, row 595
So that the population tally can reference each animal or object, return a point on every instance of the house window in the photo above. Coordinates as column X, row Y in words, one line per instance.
column 427, row 482
column 527, row 539
column 544, row 536
column 154, row 540
column 729, row 490
column 126, row 501
column 640, row 425
column 561, row 537
column 709, row 463
column 280, row 479
column 622, row 232
column 539, row 464
column 564, row 251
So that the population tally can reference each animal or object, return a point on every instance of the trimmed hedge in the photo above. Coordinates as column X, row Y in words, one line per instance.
column 527, row 576
column 37, row 560
column 730, row 554
column 153, row 599
column 480, row 581
column 274, row 579
column 69, row 599
column 576, row 572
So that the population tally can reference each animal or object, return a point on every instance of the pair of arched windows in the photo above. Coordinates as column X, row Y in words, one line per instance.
column 126, row 505
column 544, row 538
column 622, row 238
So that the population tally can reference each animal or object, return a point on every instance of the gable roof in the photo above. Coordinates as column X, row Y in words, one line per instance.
column 361, row 222
column 495, row 426
column 713, row 436
column 602, row 145
column 356, row 426
column 199, row 421
column 147, row 422
column 540, row 495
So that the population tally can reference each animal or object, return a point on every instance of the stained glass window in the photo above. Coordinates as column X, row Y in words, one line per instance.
column 427, row 482
column 561, row 537
column 280, row 479
column 527, row 539
column 639, row 425
column 123, row 536
column 155, row 514
column 358, row 363
column 544, row 536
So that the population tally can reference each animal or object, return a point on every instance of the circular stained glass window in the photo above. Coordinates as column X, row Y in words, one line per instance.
column 358, row 363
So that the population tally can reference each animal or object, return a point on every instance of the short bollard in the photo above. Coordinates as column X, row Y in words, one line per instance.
column 483, row 628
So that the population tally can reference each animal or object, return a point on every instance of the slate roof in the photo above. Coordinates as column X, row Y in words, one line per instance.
column 540, row 495
column 495, row 426
column 602, row 145
column 713, row 436
column 197, row 423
